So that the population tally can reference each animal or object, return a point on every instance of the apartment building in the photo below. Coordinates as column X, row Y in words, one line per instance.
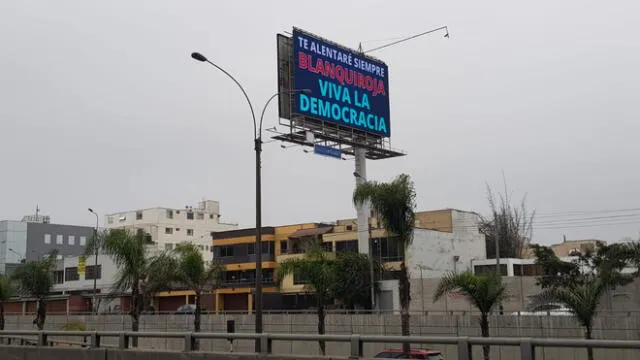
column 167, row 227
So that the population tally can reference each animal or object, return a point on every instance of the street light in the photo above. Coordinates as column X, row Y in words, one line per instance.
column 257, row 141
column 95, row 267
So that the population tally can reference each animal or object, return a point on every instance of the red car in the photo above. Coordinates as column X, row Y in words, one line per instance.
column 413, row 354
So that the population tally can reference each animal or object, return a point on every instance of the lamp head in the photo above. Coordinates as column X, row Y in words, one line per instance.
column 90, row 210
column 198, row 56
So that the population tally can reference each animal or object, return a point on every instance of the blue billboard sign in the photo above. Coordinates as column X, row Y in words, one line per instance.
column 347, row 88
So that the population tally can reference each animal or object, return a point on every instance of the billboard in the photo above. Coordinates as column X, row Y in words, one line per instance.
column 82, row 264
column 348, row 88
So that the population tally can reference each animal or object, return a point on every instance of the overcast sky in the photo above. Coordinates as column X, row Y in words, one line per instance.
column 101, row 106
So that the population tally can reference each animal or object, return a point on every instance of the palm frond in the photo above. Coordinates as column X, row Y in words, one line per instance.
column 484, row 292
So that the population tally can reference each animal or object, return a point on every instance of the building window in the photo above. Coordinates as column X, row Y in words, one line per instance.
column 189, row 232
column 169, row 214
column 89, row 271
column 211, row 216
column 189, row 215
column 223, row 251
column 138, row 215
column 72, row 240
column 59, row 239
column 349, row 227
column 168, row 246
column 251, row 249
column 168, row 230
column 327, row 247
column 71, row 274
column 347, row 246
column 83, row 240
column 201, row 247
column 268, row 247
column 200, row 216
column 110, row 220
column 47, row 238
column 284, row 245
column 58, row 277
column 298, row 279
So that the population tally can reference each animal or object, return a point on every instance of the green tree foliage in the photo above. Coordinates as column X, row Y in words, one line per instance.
column 6, row 291
column 318, row 269
column 185, row 267
column 605, row 262
column 580, row 283
column 513, row 225
column 353, row 280
column 35, row 278
column 483, row 291
column 394, row 205
column 135, row 273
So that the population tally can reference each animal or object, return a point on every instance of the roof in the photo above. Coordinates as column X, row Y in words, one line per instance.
column 310, row 232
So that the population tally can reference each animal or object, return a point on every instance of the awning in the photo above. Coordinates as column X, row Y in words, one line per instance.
column 310, row 232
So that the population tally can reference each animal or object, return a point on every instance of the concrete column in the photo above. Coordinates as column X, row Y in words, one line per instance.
column 362, row 211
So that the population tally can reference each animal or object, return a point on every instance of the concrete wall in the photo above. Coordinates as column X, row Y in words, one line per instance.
column 520, row 290
column 606, row 327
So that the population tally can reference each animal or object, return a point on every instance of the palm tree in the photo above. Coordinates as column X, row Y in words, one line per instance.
column 187, row 268
column 394, row 205
column 582, row 300
column 317, row 268
column 135, row 274
column 36, row 279
column 483, row 291
column 6, row 291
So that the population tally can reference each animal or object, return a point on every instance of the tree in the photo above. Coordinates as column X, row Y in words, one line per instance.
column 318, row 270
column 394, row 205
column 187, row 268
column 135, row 273
column 6, row 291
column 353, row 280
column 35, row 278
column 483, row 291
column 512, row 225
column 582, row 300
column 579, row 284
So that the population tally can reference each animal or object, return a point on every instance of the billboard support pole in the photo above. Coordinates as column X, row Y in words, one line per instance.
column 363, row 211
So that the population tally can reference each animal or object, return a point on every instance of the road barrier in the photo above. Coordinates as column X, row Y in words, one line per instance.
column 464, row 344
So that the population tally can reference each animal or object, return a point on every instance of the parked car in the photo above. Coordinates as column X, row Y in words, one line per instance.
column 546, row 310
column 190, row 309
column 424, row 354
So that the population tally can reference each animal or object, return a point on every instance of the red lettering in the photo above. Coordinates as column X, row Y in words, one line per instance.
column 329, row 69
column 380, row 89
column 302, row 60
column 349, row 77
column 369, row 83
column 361, row 80
column 320, row 67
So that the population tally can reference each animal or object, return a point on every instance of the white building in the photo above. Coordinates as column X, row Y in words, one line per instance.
column 448, row 248
column 168, row 227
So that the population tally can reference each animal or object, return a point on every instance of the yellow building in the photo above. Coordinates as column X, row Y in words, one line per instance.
column 235, row 249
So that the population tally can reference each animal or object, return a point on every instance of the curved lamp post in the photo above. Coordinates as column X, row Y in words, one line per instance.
column 257, row 141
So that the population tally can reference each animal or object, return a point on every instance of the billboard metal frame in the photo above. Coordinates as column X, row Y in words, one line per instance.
column 346, row 139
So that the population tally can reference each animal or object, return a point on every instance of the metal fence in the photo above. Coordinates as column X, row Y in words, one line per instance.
column 527, row 346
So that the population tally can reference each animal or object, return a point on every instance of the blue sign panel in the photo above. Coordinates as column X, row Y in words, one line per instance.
column 347, row 88
column 327, row 151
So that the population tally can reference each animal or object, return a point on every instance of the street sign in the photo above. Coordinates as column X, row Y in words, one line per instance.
column 327, row 151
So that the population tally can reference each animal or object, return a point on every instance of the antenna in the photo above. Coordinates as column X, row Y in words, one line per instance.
column 37, row 211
